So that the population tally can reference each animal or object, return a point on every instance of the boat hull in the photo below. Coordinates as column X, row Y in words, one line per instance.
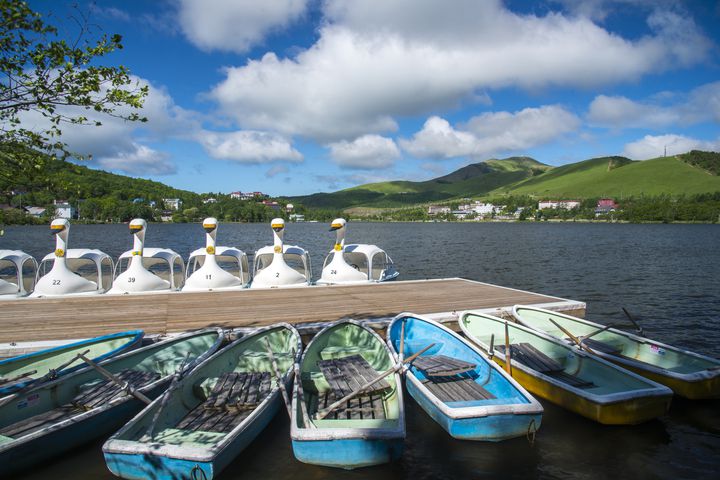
column 348, row 453
column 162, row 467
column 491, row 428
column 696, row 389
column 624, row 412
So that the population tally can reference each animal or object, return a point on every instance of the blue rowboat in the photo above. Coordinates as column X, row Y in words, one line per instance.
column 210, row 415
column 19, row 372
column 54, row 417
column 367, row 430
column 470, row 396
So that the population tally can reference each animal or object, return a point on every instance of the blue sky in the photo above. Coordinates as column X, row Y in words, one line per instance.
column 293, row 97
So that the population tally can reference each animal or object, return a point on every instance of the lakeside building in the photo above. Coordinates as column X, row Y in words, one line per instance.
column 558, row 204
column 63, row 209
column 246, row 195
column 438, row 209
column 296, row 217
column 209, row 200
column 36, row 212
column 606, row 206
column 172, row 203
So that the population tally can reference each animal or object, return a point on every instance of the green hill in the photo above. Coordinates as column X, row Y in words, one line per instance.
column 690, row 173
column 471, row 180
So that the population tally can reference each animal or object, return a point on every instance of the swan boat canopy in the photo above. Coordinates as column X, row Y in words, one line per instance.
column 216, row 267
column 17, row 273
column 281, row 265
column 147, row 269
column 75, row 271
column 355, row 263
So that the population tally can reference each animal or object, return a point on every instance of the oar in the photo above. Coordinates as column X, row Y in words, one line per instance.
column 606, row 327
column 166, row 396
column 508, row 353
column 123, row 385
column 572, row 337
column 324, row 413
column 491, row 349
column 402, row 341
column 279, row 378
column 632, row 320
column 3, row 381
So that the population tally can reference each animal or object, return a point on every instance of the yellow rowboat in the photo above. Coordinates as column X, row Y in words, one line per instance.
column 573, row 379
column 688, row 374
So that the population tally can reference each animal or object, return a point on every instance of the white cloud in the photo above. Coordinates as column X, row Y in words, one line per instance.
column 654, row 146
column 377, row 60
column 251, row 147
column 366, row 152
column 491, row 133
column 141, row 160
column 700, row 105
column 600, row 9
column 235, row 25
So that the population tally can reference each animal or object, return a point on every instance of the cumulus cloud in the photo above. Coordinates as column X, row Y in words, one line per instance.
column 366, row 152
column 250, row 147
column 491, row 133
column 700, row 105
column 235, row 25
column 654, row 146
column 141, row 160
column 377, row 60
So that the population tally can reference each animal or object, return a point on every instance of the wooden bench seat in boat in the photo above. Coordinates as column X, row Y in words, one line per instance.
column 97, row 393
column 231, row 400
column 361, row 407
column 347, row 374
column 441, row 365
column 456, row 388
column 90, row 396
column 530, row 356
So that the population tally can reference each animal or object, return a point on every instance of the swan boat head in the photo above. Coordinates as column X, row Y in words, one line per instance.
column 70, row 267
column 271, row 262
column 210, row 275
column 355, row 263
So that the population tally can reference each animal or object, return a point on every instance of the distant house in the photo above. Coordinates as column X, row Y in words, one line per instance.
column 461, row 214
column 209, row 200
column 558, row 204
column 138, row 200
column 296, row 217
column 63, row 209
column 289, row 207
column 438, row 209
column 606, row 206
column 271, row 204
column 36, row 212
column 172, row 203
column 246, row 195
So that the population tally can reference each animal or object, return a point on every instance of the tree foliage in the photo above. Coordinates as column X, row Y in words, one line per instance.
column 58, row 79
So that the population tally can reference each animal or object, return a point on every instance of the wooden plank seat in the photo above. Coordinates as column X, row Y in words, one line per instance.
column 456, row 388
column 361, row 407
column 441, row 365
column 232, row 399
column 239, row 391
column 530, row 356
column 347, row 374
column 98, row 393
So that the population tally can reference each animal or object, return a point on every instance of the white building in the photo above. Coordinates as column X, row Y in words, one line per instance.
column 438, row 209
column 560, row 204
column 172, row 203
column 36, row 212
column 64, row 210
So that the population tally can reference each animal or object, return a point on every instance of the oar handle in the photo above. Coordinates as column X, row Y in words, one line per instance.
column 572, row 337
column 124, row 385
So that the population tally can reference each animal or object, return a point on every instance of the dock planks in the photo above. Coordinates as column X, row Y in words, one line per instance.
column 27, row 320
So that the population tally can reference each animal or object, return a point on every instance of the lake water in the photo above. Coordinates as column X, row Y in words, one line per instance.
column 667, row 275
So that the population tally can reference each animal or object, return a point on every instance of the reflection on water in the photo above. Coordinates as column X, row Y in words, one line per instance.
column 668, row 275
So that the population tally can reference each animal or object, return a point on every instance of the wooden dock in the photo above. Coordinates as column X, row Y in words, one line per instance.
column 31, row 320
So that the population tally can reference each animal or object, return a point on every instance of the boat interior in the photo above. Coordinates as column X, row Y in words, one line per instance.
column 222, row 393
column 562, row 362
column 457, row 375
column 614, row 343
column 334, row 364
column 88, row 389
column 17, row 273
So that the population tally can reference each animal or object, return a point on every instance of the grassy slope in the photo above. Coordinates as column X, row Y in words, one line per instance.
column 472, row 180
column 591, row 178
